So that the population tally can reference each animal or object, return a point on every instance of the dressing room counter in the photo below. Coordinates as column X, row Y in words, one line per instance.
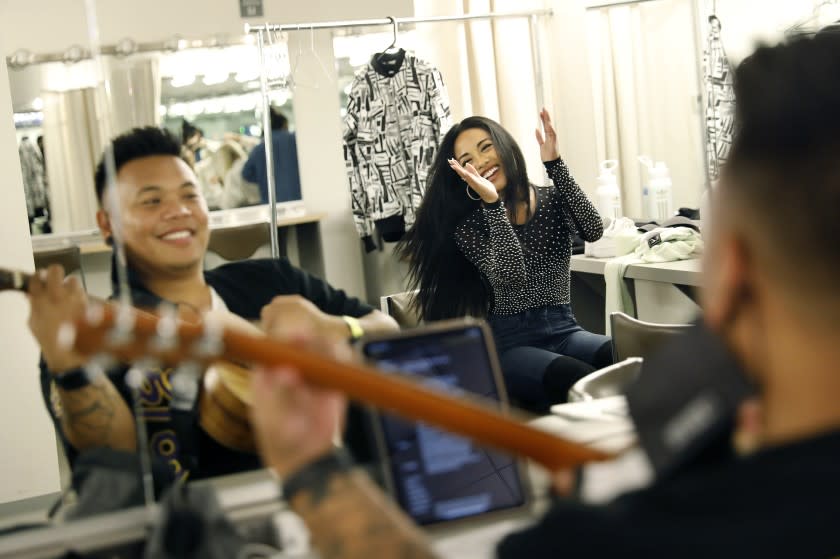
column 662, row 292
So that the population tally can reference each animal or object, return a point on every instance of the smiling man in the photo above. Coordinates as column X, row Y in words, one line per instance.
column 157, row 212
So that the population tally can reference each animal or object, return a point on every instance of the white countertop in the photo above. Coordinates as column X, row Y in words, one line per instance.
column 91, row 241
column 683, row 272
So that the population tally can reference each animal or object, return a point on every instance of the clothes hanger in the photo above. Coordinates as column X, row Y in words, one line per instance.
column 391, row 58
column 811, row 23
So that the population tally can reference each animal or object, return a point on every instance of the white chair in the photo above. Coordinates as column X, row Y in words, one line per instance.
column 398, row 306
column 609, row 381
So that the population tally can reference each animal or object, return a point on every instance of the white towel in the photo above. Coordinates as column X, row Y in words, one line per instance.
column 666, row 244
column 620, row 237
column 617, row 298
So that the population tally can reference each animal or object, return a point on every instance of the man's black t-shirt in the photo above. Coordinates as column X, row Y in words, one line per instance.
column 780, row 502
column 245, row 287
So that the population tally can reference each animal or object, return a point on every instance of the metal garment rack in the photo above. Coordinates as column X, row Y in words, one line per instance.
column 263, row 31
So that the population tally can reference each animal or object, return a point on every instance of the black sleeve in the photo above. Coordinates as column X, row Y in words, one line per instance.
column 582, row 213
column 487, row 239
column 246, row 286
column 570, row 531
column 327, row 298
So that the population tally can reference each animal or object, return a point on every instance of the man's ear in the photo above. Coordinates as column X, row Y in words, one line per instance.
column 104, row 226
column 728, row 281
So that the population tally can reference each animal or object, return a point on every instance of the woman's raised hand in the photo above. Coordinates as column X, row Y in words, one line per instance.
column 483, row 187
column 549, row 151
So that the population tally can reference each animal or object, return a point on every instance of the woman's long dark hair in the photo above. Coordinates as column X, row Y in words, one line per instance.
column 448, row 284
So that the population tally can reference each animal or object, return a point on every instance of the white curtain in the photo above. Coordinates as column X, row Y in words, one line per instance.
column 78, row 122
column 74, row 135
column 135, row 92
column 644, row 71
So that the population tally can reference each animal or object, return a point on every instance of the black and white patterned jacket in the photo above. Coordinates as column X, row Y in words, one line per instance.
column 392, row 130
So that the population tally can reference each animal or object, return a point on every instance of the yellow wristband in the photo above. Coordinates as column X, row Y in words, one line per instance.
column 356, row 330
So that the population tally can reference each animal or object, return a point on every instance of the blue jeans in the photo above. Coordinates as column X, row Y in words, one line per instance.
column 543, row 352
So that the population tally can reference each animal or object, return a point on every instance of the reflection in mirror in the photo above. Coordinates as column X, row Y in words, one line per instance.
column 208, row 97
column 643, row 61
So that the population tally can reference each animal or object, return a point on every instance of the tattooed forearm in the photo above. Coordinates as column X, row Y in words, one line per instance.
column 351, row 518
column 97, row 416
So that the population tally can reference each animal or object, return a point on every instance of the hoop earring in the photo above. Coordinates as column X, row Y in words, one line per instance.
column 470, row 195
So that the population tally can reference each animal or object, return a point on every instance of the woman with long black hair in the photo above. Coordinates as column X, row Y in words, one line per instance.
column 488, row 243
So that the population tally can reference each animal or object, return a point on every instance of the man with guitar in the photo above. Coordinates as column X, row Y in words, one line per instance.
column 157, row 213
column 770, row 301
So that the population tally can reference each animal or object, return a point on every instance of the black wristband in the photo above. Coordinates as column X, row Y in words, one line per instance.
column 315, row 475
column 73, row 379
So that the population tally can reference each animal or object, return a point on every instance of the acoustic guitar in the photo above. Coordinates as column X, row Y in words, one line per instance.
column 225, row 399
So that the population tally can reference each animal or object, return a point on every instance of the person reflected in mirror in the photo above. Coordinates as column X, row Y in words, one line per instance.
column 507, row 245
column 192, row 140
column 284, row 154
column 769, row 295
column 158, row 214
column 228, row 162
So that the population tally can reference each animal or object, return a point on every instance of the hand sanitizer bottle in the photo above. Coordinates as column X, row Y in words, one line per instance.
column 657, row 198
column 608, row 192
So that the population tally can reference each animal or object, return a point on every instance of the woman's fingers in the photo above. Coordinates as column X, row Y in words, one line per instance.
column 546, row 121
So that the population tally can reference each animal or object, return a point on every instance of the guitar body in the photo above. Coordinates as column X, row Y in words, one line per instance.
column 224, row 406
column 225, row 400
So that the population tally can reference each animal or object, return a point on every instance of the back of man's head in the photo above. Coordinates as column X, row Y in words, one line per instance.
column 278, row 120
column 135, row 144
column 782, row 178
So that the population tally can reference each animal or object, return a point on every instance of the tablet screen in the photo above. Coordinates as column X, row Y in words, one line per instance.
column 436, row 476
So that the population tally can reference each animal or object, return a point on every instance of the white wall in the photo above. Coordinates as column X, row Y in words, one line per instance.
column 742, row 25
column 571, row 89
column 64, row 21
column 28, row 462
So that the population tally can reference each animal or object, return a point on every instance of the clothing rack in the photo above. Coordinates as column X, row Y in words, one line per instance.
column 610, row 3
column 342, row 24
column 265, row 30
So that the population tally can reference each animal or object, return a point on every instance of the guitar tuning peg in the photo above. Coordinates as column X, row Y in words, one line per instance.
column 211, row 343
column 166, row 332
column 185, row 385
column 123, row 331
column 95, row 313
column 136, row 374
column 65, row 338
column 98, row 365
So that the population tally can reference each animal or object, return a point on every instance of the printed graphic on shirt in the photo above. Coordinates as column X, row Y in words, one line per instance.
column 155, row 396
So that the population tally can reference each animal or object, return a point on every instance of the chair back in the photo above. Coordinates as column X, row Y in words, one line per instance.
column 609, row 381
column 632, row 337
column 398, row 307
column 239, row 242
column 69, row 256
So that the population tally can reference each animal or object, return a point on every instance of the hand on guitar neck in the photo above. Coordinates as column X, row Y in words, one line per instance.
column 55, row 300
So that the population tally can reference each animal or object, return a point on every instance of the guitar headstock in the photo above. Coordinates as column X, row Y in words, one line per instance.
column 129, row 334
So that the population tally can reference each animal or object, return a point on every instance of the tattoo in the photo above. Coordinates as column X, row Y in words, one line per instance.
column 89, row 413
column 351, row 518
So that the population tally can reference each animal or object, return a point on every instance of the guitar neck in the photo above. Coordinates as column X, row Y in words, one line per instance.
column 473, row 418
column 14, row 280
